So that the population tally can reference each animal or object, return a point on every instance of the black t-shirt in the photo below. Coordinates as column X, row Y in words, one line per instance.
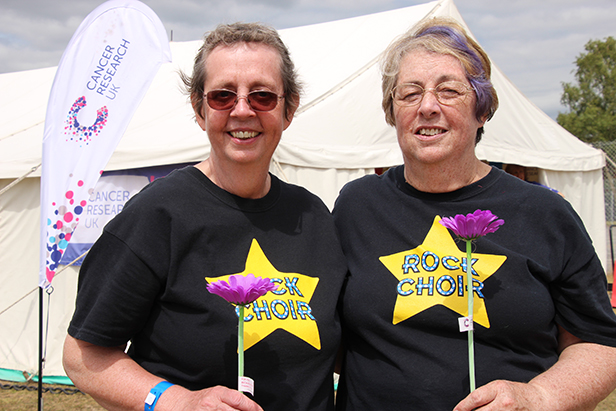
column 144, row 281
column 407, row 288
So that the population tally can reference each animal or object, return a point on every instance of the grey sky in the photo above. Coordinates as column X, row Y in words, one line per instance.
column 534, row 42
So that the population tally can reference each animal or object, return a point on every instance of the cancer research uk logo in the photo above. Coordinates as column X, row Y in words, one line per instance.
column 78, row 132
column 101, row 82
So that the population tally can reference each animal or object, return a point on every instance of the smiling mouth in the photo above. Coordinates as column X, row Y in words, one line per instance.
column 244, row 135
column 430, row 131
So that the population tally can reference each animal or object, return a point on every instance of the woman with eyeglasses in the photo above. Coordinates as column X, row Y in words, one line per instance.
column 144, row 280
column 544, row 329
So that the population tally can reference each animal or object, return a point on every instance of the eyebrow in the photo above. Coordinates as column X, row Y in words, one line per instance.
column 443, row 78
column 256, row 86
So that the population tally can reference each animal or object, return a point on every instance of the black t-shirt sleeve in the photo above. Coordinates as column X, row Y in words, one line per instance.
column 112, row 306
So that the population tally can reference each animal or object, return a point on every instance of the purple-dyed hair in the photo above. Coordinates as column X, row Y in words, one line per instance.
column 443, row 36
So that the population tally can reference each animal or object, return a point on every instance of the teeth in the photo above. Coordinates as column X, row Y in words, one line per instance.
column 244, row 134
column 429, row 131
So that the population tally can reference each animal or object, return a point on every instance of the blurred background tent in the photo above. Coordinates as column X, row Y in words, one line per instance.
column 338, row 134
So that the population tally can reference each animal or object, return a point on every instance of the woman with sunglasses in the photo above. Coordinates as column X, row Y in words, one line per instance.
column 544, row 329
column 144, row 281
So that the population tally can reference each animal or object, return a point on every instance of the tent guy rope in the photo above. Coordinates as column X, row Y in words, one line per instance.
column 36, row 288
column 15, row 182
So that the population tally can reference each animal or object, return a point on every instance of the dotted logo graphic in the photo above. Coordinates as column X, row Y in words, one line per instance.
column 80, row 133
column 62, row 222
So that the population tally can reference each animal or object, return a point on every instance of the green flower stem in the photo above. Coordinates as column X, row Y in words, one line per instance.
column 240, row 344
column 471, row 348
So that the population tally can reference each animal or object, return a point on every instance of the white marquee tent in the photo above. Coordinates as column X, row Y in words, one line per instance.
column 338, row 134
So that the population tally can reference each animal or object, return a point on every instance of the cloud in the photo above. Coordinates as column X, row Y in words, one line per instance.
column 34, row 34
column 535, row 43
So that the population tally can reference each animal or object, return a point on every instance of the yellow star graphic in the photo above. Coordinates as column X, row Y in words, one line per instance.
column 287, row 308
column 435, row 273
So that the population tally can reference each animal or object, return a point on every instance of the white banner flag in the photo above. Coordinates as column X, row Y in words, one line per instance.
column 102, row 77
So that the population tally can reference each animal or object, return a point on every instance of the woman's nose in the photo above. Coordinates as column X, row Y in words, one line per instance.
column 242, row 107
column 429, row 104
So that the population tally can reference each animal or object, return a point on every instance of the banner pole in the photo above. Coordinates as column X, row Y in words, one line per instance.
column 40, row 356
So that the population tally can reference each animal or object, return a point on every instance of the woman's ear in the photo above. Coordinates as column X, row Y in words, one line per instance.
column 199, row 109
column 483, row 119
column 290, row 111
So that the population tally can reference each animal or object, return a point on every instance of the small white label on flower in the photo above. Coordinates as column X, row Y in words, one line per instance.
column 466, row 324
column 246, row 385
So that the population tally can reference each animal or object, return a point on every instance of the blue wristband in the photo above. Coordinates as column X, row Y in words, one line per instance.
column 154, row 395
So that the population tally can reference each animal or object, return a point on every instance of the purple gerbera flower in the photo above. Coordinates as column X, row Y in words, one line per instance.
column 242, row 290
column 473, row 226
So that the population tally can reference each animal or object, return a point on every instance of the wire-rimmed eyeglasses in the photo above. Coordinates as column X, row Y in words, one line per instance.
column 259, row 100
column 447, row 93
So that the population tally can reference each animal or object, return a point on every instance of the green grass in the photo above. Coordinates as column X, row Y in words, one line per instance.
column 24, row 400
column 609, row 404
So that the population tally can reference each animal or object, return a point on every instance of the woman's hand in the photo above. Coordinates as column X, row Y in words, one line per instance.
column 580, row 379
column 505, row 396
column 118, row 383
column 209, row 399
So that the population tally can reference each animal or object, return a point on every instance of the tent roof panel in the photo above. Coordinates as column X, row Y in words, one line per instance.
column 339, row 125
